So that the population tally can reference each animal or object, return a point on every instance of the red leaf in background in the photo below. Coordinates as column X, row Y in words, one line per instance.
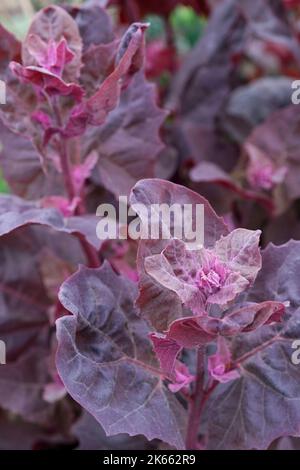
column 159, row 59
column 131, row 9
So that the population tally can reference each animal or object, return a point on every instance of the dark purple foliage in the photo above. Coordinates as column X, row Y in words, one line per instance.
column 151, row 343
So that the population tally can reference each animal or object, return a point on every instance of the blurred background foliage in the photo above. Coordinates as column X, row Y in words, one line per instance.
column 186, row 26
column 16, row 15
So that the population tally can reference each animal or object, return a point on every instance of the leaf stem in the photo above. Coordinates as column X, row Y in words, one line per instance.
column 199, row 398
column 195, row 404
column 66, row 170
column 89, row 250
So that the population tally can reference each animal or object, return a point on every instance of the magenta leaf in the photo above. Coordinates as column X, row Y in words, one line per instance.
column 219, row 364
column 242, row 115
column 183, row 378
column 50, row 56
column 103, row 343
column 17, row 434
column 194, row 332
column 208, row 172
column 261, row 171
column 278, row 276
column 47, row 81
column 166, row 351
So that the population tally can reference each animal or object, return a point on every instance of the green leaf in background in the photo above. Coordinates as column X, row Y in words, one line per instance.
column 17, row 24
column 157, row 27
column 3, row 185
column 187, row 26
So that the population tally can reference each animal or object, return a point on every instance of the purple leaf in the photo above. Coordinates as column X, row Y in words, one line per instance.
column 242, row 114
column 160, row 305
column 50, row 56
column 128, row 143
column 16, row 213
column 105, row 359
column 273, row 155
column 278, row 277
column 95, row 109
column 240, row 252
column 208, row 172
column 22, row 168
column 94, row 23
column 264, row 403
column 10, row 49
column 91, row 436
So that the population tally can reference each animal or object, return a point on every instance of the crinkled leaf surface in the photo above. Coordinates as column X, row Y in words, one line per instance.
column 91, row 436
column 160, row 305
column 106, row 362
column 10, row 49
column 16, row 213
column 278, row 139
column 27, row 311
column 128, row 143
column 264, row 403
column 200, row 277
column 21, row 166
column 95, row 109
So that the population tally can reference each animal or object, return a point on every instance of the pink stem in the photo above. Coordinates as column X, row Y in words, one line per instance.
column 66, row 170
column 197, row 403
column 89, row 250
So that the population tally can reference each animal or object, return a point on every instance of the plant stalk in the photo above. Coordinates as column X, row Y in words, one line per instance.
column 197, row 403
column 90, row 252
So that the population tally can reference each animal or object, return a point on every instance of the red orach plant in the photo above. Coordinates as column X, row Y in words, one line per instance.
column 150, row 344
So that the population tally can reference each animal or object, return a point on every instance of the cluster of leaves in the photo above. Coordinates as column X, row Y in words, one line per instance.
column 126, row 345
